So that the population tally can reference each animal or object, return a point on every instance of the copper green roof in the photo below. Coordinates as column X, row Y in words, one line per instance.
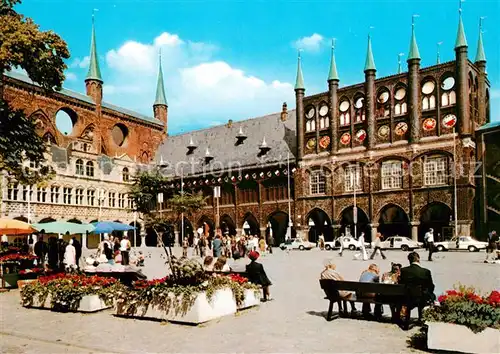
column 369, row 63
column 94, row 72
column 333, row 75
column 480, row 56
column 461, row 40
column 160, row 89
column 299, row 83
column 413, row 53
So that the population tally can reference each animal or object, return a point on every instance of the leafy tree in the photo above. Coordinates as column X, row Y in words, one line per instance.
column 41, row 54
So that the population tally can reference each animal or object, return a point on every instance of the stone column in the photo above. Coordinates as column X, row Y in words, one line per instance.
column 414, row 230
column 414, row 99
column 462, row 90
column 143, row 238
column 238, row 231
column 263, row 232
column 176, row 238
column 84, row 241
column 369, row 107
column 374, row 230
column 464, row 227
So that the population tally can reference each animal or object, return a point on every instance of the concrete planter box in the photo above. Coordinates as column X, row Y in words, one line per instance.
column 221, row 304
column 251, row 299
column 88, row 303
column 457, row 338
column 10, row 280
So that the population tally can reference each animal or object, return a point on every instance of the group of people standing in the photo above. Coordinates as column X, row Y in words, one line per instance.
column 57, row 254
column 116, row 250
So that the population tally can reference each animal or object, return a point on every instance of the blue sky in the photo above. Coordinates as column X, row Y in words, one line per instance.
column 235, row 60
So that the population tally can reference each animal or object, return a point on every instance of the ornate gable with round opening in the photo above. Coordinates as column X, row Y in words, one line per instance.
column 119, row 134
column 65, row 121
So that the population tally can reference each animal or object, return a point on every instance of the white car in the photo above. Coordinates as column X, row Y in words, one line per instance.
column 297, row 244
column 464, row 243
column 348, row 242
column 399, row 242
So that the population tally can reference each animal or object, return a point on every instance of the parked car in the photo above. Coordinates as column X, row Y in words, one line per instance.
column 348, row 242
column 297, row 244
column 400, row 242
column 464, row 243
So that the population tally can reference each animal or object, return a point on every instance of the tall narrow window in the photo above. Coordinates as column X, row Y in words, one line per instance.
column 318, row 182
column 359, row 106
column 12, row 191
column 448, row 97
column 125, row 174
column 121, row 200
column 67, row 195
column 79, row 167
column 400, row 106
column 79, row 196
column 112, row 199
column 90, row 197
column 90, row 169
column 344, row 115
column 352, row 178
column 435, row 171
column 429, row 95
column 392, row 175
column 54, row 194
column 27, row 193
column 383, row 104
column 42, row 195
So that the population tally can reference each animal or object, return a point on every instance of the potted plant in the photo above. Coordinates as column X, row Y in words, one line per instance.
column 70, row 292
column 465, row 321
column 192, row 296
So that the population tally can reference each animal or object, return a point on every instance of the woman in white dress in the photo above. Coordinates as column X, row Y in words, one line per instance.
column 70, row 256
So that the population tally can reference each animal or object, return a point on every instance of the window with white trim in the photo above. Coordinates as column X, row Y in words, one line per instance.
column 435, row 171
column 392, row 175
column 79, row 196
column 112, row 199
column 121, row 200
column 67, row 195
column 90, row 169
column 317, row 182
column 79, row 167
column 54, row 194
column 90, row 197
column 42, row 194
column 352, row 177
column 12, row 191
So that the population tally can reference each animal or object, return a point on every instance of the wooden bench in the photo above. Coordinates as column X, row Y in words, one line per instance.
column 394, row 295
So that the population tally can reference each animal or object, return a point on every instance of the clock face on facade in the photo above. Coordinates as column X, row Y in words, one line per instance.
column 449, row 120
column 324, row 142
column 383, row 131
column 310, row 113
column 323, row 110
column 401, row 128
column 361, row 135
column 345, row 139
column 400, row 94
column 344, row 106
column 311, row 143
column 428, row 88
column 429, row 124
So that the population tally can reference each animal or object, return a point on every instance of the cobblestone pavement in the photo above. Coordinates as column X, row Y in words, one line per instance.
column 293, row 322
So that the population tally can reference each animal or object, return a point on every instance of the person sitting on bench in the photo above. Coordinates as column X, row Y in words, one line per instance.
column 371, row 275
column 416, row 276
column 330, row 273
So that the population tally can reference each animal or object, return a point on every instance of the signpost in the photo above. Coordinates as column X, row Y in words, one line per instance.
column 217, row 196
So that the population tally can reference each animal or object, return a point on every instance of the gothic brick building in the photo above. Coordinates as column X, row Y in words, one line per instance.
column 93, row 161
column 388, row 147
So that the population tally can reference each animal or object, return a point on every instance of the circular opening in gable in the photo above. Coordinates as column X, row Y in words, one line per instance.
column 65, row 121
column 119, row 134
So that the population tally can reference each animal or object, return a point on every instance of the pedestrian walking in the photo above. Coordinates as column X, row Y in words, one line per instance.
column 429, row 239
column 491, row 248
column 125, row 247
column 362, row 254
column 341, row 240
column 378, row 246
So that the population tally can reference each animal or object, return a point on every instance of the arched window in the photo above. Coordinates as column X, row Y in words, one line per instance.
column 429, row 95
column 323, row 116
column 90, row 169
column 448, row 97
column 359, row 109
column 435, row 170
column 383, row 104
column 352, row 178
column 79, row 167
column 310, row 119
column 125, row 174
column 400, row 106
column 392, row 175
column 344, row 115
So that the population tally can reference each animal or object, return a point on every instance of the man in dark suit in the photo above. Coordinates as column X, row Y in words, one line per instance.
column 257, row 275
column 415, row 276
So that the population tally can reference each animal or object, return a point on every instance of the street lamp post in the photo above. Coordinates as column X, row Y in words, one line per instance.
column 289, row 228
column 354, row 177
column 455, row 183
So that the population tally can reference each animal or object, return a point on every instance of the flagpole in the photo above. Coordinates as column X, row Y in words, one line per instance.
column 355, row 209
column 182, row 214
column 288, row 230
column 455, row 182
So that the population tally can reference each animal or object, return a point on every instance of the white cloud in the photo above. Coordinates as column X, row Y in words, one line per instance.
column 311, row 43
column 200, row 90
column 82, row 63
column 70, row 76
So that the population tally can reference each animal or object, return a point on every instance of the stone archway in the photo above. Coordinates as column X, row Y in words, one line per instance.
column 207, row 225
column 319, row 223
column 346, row 223
column 136, row 241
column 393, row 221
column 188, row 231
column 74, row 221
column 277, row 224
column 250, row 225
column 227, row 225
column 21, row 218
column 46, row 220
column 151, row 238
column 437, row 216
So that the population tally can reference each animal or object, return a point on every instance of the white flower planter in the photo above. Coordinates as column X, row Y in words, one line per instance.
column 457, row 338
column 88, row 303
column 251, row 299
column 221, row 304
